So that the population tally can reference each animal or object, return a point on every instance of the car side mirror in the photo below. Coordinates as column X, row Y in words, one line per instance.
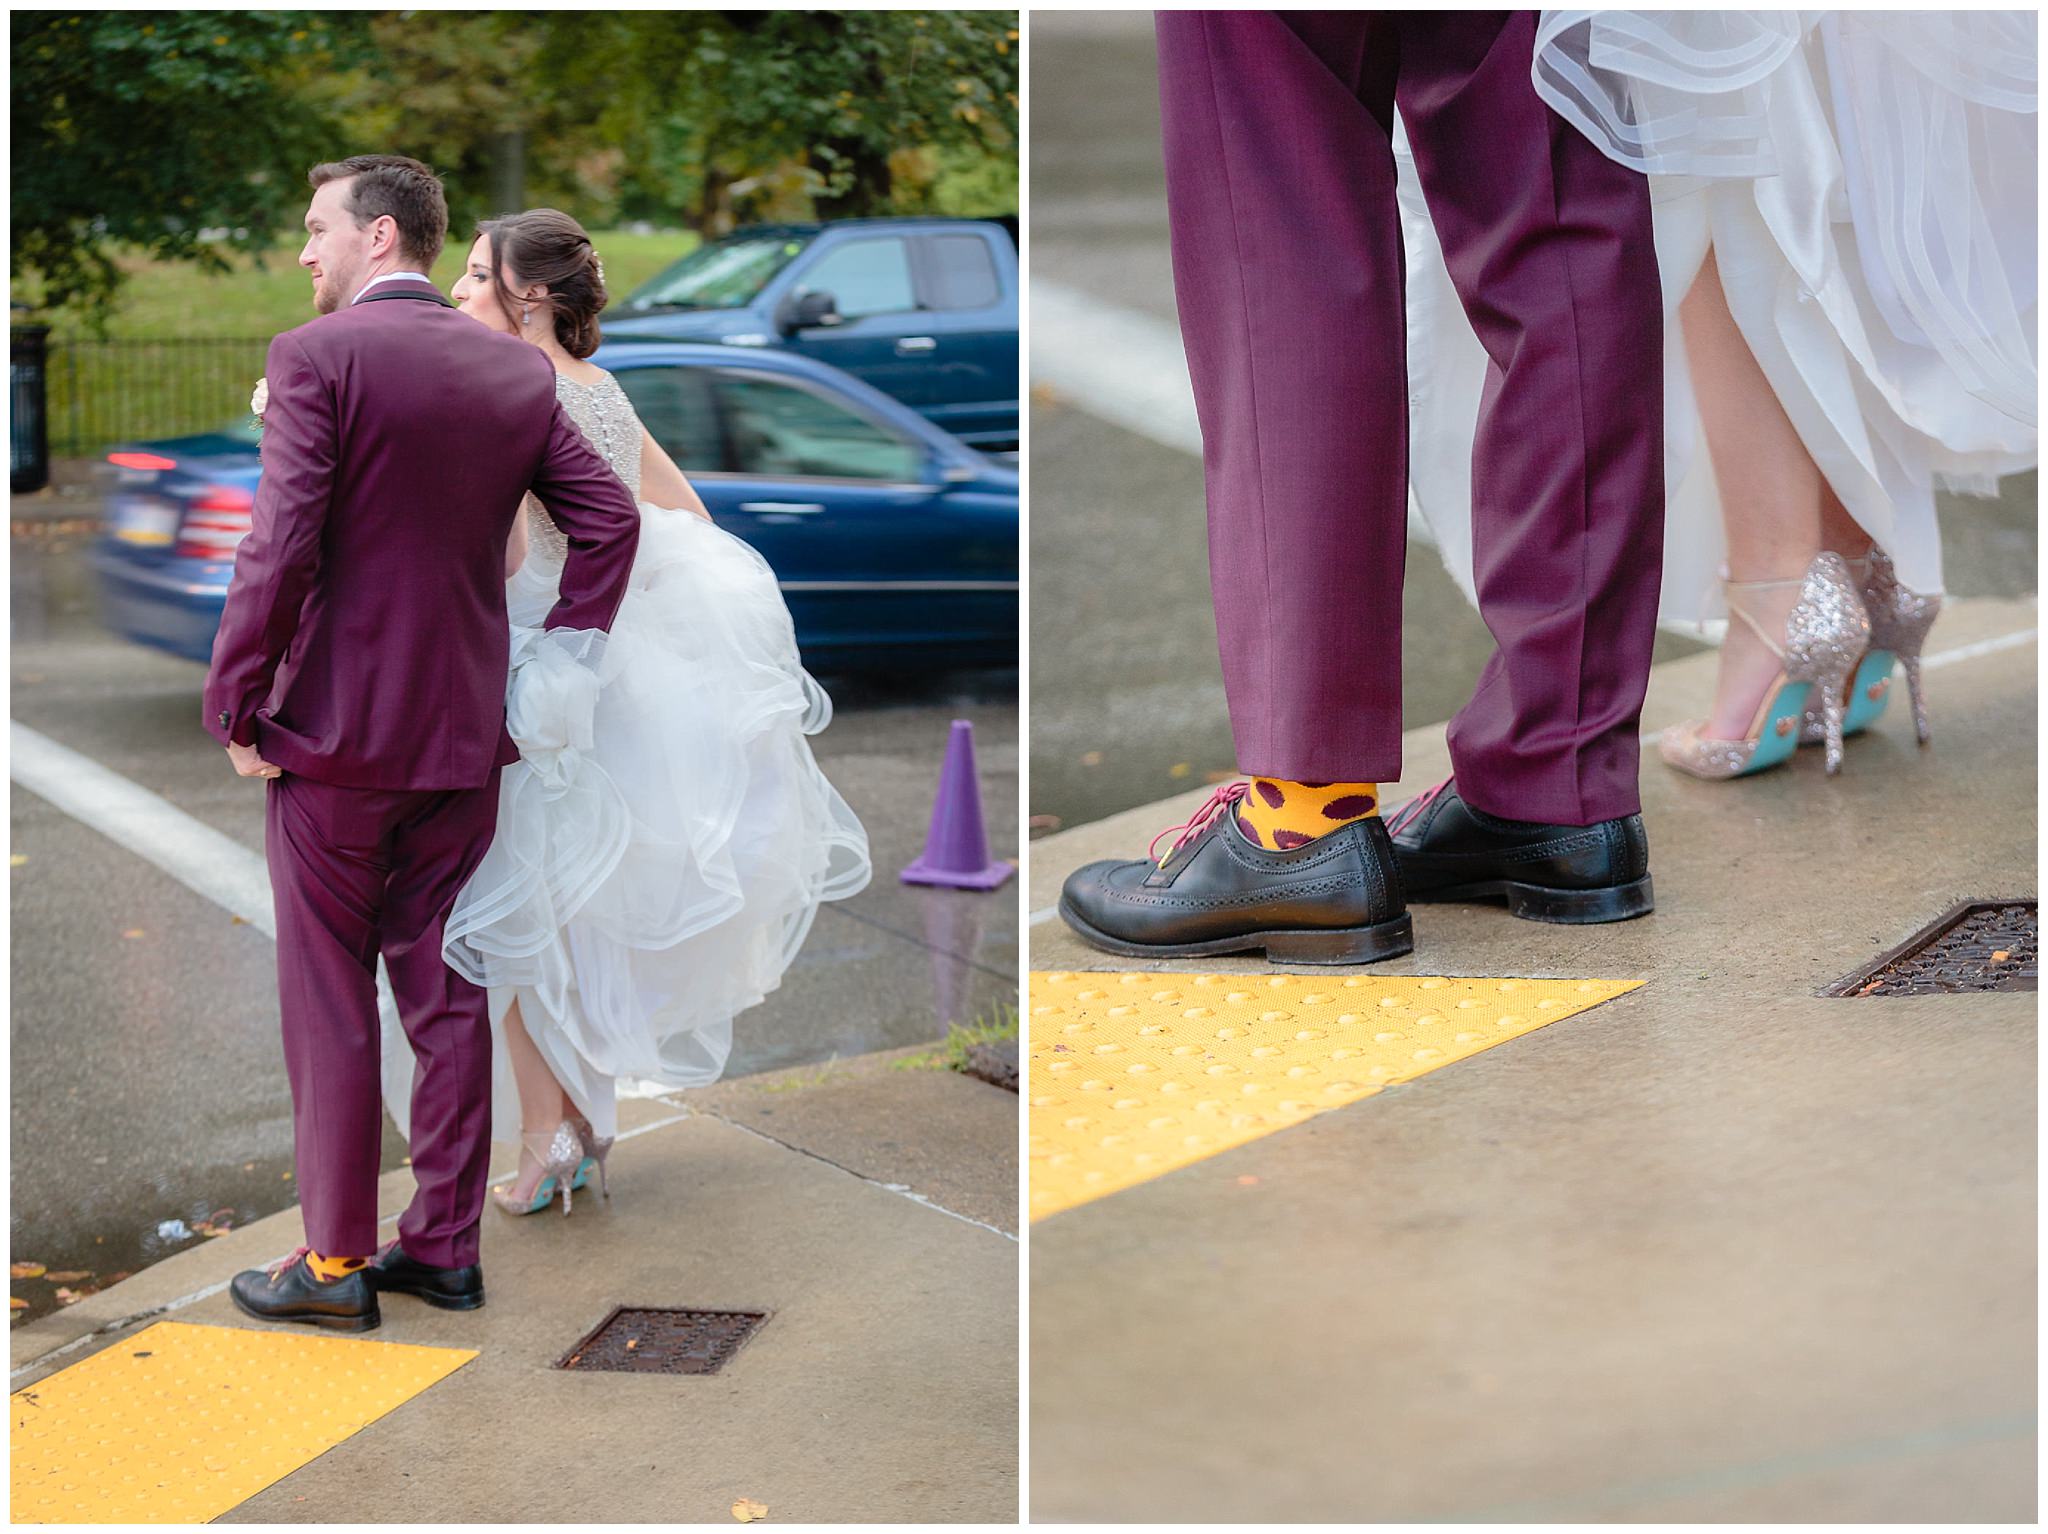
column 811, row 311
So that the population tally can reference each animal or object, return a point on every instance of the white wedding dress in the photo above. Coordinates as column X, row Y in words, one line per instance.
column 666, row 837
column 1867, row 183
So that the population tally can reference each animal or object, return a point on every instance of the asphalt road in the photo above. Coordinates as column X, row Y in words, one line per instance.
column 1127, row 694
column 148, row 1080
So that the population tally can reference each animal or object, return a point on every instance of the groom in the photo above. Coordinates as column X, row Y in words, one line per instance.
column 1288, row 269
column 360, row 667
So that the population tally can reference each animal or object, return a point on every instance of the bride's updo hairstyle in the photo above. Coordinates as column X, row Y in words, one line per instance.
column 548, row 247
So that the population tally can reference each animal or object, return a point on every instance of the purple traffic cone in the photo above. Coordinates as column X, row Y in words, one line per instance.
column 956, row 846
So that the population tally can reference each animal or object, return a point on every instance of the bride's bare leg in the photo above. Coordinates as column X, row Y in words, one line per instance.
column 542, row 1102
column 1840, row 531
column 1771, row 492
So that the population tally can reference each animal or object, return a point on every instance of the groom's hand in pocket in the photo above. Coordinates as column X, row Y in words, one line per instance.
column 250, row 765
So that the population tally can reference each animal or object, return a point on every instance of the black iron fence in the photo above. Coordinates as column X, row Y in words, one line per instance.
column 103, row 392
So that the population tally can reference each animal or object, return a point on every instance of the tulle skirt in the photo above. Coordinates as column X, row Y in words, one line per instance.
column 666, row 837
column 1866, row 181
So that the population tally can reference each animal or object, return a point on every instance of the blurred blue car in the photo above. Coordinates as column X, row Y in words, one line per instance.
column 892, row 541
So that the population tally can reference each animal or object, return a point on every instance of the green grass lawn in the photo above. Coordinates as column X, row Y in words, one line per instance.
column 269, row 293
column 123, row 388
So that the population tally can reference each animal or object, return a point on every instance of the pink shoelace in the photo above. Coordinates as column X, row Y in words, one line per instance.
column 278, row 1268
column 1224, row 798
column 1406, row 815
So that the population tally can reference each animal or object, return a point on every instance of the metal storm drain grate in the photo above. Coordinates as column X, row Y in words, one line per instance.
column 1981, row 945
column 636, row 1340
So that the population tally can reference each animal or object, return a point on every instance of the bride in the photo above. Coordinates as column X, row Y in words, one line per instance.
column 1845, row 224
column 666, row 837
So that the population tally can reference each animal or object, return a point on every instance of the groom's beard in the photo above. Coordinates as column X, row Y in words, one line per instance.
column 335, row 288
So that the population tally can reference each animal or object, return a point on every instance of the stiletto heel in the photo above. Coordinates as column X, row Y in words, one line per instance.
column 1920, row 725
column 1825, row 634
column 560, row 1156
column 597, row 1149
column 1831, row 720
column 1899, row 621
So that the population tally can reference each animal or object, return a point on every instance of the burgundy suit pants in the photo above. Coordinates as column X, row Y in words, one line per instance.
column 1288, row 271
column 358, row 872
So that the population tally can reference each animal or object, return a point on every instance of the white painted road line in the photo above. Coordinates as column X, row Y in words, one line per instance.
column 1965, row 652
column 202, row 859
column 130, row 816
column 1117, row 364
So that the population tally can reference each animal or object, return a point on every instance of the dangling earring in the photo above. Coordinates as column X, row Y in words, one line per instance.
column 526, row 316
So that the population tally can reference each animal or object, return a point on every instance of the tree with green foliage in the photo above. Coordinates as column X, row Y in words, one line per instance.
column 846, row 113
column 186, row 135
column 181, row 134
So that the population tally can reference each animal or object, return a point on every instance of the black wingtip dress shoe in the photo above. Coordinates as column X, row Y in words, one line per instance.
column 449, row 1288
column 1448, row 850
column 293, row 1292
column 1335, row 901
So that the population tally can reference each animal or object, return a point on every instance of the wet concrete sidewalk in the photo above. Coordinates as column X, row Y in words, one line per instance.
column 1720, row 1249
column 869, row 1205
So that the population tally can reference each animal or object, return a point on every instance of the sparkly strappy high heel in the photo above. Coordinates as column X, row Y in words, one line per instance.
column 560, row 1155
column 1825, row 632
column 1899, row 621
column 596, row 1148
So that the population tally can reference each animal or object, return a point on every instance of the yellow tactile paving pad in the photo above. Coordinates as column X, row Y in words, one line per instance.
column 180, row 1423
column 1135, row 1075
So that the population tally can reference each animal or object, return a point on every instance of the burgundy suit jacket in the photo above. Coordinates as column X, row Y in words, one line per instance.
column 364, row 642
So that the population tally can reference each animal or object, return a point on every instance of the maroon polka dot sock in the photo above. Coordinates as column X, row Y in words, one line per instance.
column 1278, row 813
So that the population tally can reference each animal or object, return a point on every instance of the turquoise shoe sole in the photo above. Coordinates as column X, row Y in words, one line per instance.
column 1780, row 738
column 1874, row 670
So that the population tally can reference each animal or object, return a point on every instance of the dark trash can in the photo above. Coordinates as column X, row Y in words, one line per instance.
column 28, row 443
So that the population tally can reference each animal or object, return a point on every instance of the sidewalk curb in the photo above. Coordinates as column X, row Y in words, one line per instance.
column 197, row 1273
column 1971, row 628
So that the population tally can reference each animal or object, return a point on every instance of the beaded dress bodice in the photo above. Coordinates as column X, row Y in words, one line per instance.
column 605, row 416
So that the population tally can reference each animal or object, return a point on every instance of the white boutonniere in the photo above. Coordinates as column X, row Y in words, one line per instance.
column 258, row 400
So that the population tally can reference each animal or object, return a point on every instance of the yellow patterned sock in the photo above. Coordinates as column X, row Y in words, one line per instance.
column 1279, row 814
column 328, row 1269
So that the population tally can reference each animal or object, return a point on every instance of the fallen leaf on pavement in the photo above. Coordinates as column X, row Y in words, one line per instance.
column 133, row 932
column 26, row 1270
column 15, row 860
column 69, row 1276
column 15, row 1302
column 747, row 1510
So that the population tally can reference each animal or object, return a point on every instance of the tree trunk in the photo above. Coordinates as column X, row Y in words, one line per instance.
column 508, row 170
column 871, row 190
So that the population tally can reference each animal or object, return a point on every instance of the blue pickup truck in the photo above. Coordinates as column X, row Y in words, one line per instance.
column 924, row 309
